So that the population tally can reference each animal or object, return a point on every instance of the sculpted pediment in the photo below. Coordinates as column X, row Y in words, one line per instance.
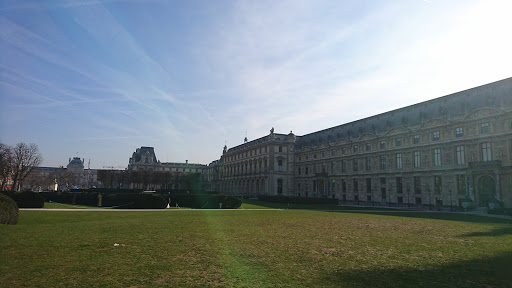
column 397, row 130
column 343, row 141
column 434, row 123
column 482, row 113
column 367, row 136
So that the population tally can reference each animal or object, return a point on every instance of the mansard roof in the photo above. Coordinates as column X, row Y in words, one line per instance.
column 494, row 95
column 141, row 151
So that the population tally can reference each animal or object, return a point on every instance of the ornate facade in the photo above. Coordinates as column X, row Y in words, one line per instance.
column 436, row 152
column 259, row 167
column 144, row 159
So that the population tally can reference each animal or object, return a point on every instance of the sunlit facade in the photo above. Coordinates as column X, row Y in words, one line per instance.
column 434, row 153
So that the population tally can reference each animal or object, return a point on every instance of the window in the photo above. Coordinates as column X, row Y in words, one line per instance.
column 314, row 169
column 279, row 186
column 460, row 155
column 343, row 166
column 306, row 171
column 332, row 167
column 382, row 162
column 355, row 149
column 417, row 159
column 355, row 165
column 486, row 152
column 437, row 157
column 368, row 185
column 333, row 153
column 382, row 144
column 299, row 170
column 368, row 163
column 399, row 161
column 356, row 186
column 343, row 185
column 416, row 139
column 435, row 135
column 461, row 184
column 398, row 142
column 484, row 128
column 417, row 184
column 343, row 151
column 323, row 154
column 314, row 155
column 280, row 148
column 368, row 146
column 399, row 185
column 459, row 132
column 438, row 185
column 323, row 167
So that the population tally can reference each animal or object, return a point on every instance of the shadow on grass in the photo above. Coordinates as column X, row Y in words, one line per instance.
column 473, row 218
column 485, row 272
column 495, row 232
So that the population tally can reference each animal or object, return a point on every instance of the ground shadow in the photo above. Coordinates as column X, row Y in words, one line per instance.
column 473, row 218
column 485, row 272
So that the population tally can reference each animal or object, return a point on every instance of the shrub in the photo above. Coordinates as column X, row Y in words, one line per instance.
column 297, row 200
column 207, row 201
column 122, row 200
column 150, row 201
column 26, row 199
column 49, row 196
column 9, row 212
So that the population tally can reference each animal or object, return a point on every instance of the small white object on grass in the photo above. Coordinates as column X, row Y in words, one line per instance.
column 115, row 244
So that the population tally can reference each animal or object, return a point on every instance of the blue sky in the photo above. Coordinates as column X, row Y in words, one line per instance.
column 97, row 79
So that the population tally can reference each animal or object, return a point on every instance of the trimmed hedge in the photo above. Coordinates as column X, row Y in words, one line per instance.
column 134, row 201
column 297, row 200
column 206, row 201
column 9, row 212
column 79, row 198
column 26, row 199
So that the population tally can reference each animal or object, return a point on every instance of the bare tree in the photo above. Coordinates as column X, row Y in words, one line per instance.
column 25, row 158
column 107, row 178
column 63, row 177
column 5, row 165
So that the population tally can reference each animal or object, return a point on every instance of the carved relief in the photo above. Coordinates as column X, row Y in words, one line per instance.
column 343, row 141
column 367, row 136
column 484, row 112
column 397, row 130
column 434, row 123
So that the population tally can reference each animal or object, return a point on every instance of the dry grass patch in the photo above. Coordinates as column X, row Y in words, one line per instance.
column 254, row 249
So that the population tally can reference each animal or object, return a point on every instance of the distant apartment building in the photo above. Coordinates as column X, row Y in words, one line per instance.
column 437, row 153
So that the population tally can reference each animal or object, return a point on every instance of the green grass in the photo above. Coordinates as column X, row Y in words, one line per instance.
column 191, row 248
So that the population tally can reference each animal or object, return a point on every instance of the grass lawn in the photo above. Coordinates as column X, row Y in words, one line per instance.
column 273, row 248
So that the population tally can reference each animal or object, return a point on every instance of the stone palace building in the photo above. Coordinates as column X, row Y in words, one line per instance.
column 436, row 152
